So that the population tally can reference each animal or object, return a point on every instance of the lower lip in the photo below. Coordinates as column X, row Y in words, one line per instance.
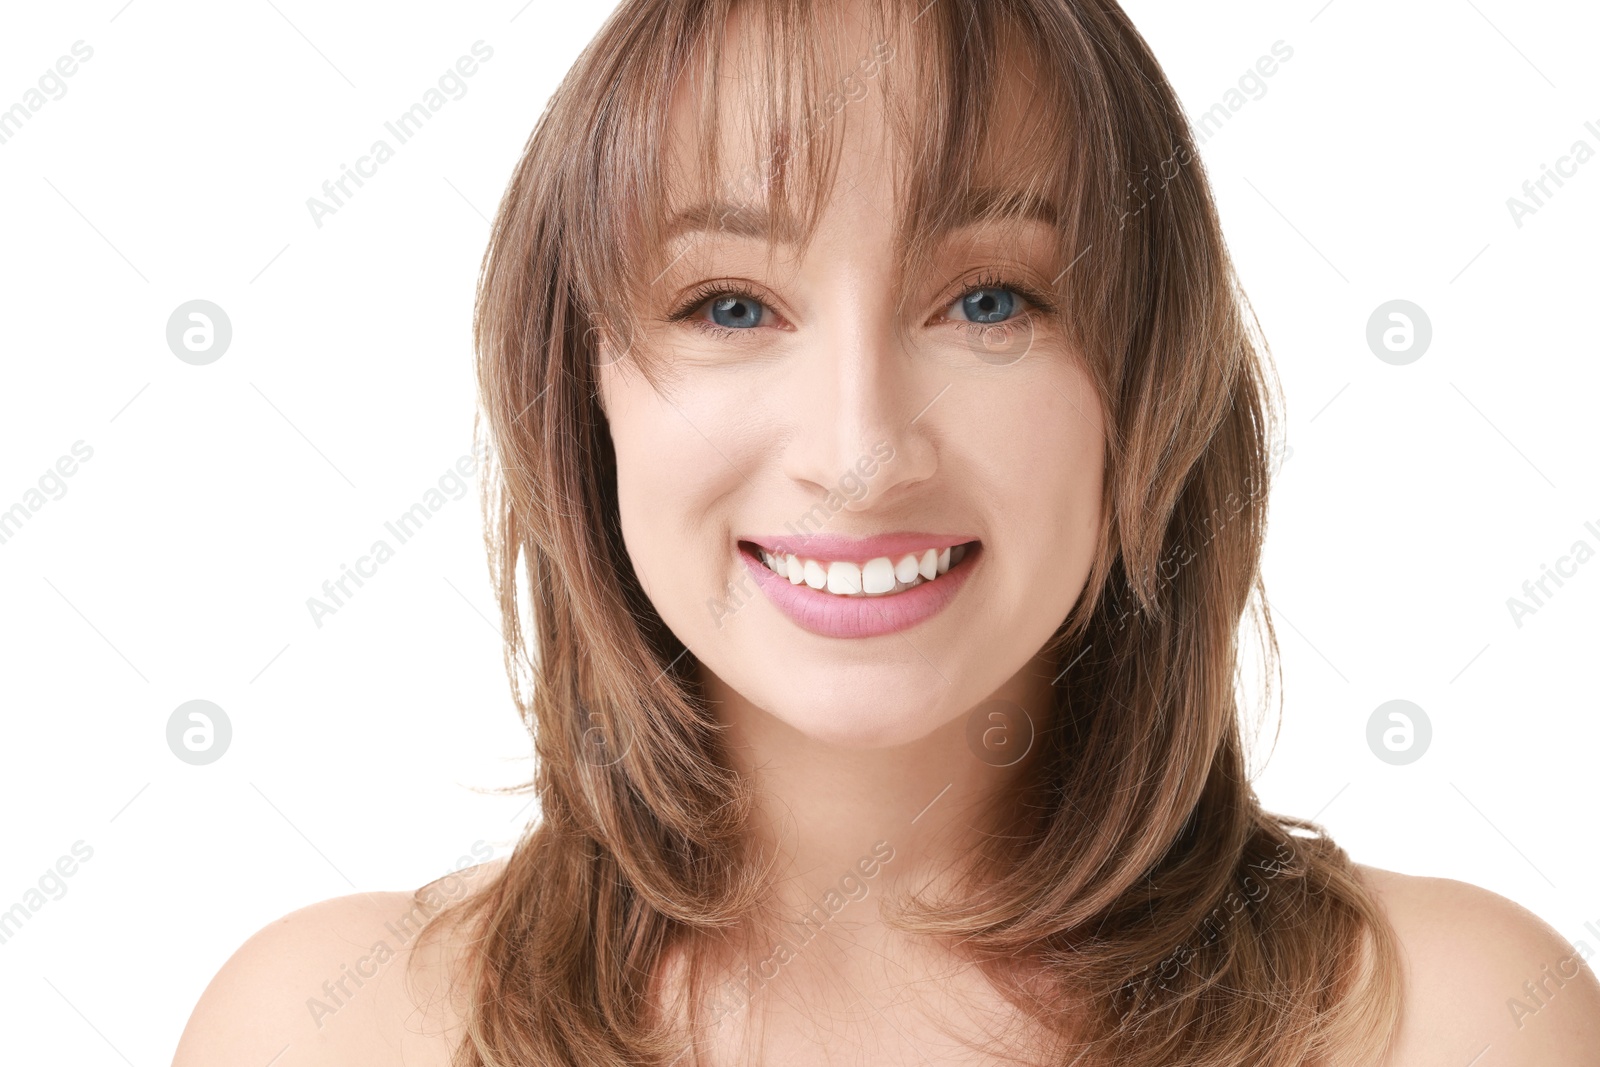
column 830, row 615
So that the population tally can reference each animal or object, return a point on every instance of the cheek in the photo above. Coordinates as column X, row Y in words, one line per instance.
column 1041, row 446
column 669, row 478
column 1040, row 458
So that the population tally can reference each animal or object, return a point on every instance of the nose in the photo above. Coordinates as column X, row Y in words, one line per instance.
column 860, row 409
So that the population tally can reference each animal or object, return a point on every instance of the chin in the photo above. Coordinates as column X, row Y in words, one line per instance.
column 860, row 717
column 849, row 730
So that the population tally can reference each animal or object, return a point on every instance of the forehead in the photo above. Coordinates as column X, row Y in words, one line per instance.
column 772, row 119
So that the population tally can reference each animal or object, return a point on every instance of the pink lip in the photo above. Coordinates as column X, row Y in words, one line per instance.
column 836, row 548
column 830, row 615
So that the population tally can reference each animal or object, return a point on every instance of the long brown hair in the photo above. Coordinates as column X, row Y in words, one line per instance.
column 1189, row 925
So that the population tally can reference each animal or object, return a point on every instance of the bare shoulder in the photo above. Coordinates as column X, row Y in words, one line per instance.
column 346, row 981
column 1487, row 982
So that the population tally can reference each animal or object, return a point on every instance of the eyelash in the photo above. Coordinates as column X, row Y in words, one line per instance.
column 700, row 294
column 1040, row 302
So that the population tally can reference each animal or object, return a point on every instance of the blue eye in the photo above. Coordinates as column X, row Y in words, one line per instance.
column 736, row 312
column 988, row 305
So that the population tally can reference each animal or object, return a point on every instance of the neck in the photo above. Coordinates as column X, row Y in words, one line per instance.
column 847, row 827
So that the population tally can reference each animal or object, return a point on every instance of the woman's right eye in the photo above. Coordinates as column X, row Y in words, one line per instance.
column 735, row 311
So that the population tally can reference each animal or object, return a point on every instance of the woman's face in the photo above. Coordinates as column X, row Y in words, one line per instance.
column 856, row 432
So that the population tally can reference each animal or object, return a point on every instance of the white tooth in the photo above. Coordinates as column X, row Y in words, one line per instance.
column 944, row 560
column 844, row 577
column 877, row 576
column 766, row 557
column 957, row 553
column 816, row 577
column 906, row 570
column 929, row 567
column 797, row 573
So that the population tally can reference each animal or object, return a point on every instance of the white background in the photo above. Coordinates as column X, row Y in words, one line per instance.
column 177, row 565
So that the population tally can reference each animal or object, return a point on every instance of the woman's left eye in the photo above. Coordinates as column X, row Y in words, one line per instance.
column 987, row 305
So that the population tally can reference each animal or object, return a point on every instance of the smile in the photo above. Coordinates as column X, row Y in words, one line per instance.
column 880, row 576
column 838, row 587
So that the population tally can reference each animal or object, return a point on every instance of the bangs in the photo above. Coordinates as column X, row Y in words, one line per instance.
column 736, row 126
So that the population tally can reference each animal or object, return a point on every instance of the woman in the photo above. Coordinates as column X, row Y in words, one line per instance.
column 881, row 456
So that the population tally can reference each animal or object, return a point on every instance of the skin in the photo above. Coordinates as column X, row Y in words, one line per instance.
column 853, row 741
column 1466, row 950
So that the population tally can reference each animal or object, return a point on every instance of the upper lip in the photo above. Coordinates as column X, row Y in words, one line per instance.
column 842, row 549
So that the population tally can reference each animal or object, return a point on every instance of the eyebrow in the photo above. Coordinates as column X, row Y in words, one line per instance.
column 733, row 219
column 755, row 221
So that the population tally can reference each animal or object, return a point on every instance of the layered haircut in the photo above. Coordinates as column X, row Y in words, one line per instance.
column 1170, row 918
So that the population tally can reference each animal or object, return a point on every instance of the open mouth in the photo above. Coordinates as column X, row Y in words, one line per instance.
column 894, row 582
column 880, row 576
